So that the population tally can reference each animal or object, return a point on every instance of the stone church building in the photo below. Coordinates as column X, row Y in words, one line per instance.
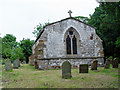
column 66, row 40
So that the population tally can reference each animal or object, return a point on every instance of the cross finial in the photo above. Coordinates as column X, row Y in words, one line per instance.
column 70, row 13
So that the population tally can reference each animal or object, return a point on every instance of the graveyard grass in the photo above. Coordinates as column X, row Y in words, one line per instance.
column 29, row 77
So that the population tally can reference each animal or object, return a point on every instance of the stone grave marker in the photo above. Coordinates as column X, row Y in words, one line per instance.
column 15, row 64
column 94, row 65
column 18, row 62
column 49, row 66
column 107, row 64
column 36, row 65
column 24, row 62
column 8, row 65
column 115, row 63
column 66, row 70
column 83, row 68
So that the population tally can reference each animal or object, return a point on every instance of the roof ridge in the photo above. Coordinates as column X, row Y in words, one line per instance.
column 57, row 22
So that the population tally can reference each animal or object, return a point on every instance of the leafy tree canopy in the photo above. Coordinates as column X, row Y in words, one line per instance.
column 26, row 45
column 38, row 28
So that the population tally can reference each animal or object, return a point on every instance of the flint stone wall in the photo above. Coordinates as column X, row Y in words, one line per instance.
column 54, row 39
column 57, row 63
column 55, row 45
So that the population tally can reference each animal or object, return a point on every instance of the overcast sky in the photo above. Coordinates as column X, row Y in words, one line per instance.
column 19, row 17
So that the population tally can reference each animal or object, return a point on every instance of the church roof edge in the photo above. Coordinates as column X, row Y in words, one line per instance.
column 57, row 22
column 69, row 18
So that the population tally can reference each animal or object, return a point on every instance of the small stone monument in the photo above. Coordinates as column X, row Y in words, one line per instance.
column 15, row 64
column 115, row 63
column 36, row 65
column 94, row 65
column 66, row 70
column 24, row 62
column 8, row 65
column 107, row 64
column 18, row 62
column 83, row 68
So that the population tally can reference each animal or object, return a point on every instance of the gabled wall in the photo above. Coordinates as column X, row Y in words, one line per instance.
column 54, row 41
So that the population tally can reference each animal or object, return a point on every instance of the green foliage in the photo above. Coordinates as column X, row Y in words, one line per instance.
column 17, row 53
column 2, row 61
column 13, row 50
column 38, row 28
column 118, row 42
column 8, row 43
column 26, row 46
column 82, row 18
column 106, row 21
column 8, row 38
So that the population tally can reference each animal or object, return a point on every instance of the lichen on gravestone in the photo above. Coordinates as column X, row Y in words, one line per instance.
column 66, row 70
column 15, row 64
column 8, row 66
column 94, row 65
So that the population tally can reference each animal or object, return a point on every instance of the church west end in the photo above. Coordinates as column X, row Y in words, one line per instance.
column 66, row 40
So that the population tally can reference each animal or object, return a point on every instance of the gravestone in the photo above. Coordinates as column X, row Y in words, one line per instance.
column 49, row 66
column 83, row 68
column 66, row 70
column 94, row 65
column 115, row 63
column 24, row 62
column 107, row 64
column 36, row 65
column 8, row 65
column 15, row 64
column 41, row 67
column 18, row 62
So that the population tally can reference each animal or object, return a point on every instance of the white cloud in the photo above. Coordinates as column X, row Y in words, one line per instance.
column 19, row 17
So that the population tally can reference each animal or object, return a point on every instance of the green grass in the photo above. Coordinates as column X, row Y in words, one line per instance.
column 29, row 77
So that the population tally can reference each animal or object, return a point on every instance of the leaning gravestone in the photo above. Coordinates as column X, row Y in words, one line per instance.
column 8, row 65
column 107, row 64
column 15, row 64
column 36, row 65
column 83, row 68
column 115, row 63
column 66, row 70
column 24, row 62
column 94, row 65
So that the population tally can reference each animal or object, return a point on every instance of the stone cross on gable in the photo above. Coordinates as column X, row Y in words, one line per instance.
column 70, row 13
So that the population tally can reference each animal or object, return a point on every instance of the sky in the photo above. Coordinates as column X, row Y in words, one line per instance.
column 19, row 17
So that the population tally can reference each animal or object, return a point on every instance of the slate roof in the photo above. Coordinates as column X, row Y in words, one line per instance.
column 57, row 22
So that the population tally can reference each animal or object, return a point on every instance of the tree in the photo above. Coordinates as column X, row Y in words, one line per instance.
column 8, row 43
column 82, row 18
column 38, row 28
column 106, row 21
column 17, row 53
column 26, row 45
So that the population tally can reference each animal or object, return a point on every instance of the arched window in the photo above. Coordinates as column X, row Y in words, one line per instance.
column 74, row 44
column 71, row 41
column 68, row 45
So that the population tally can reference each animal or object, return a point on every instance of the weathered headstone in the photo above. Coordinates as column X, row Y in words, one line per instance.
column 115, row 63
column 24, row 62
column 18, row 62
column 94, row 65
column 41, row 67
column 66, row 70
column 83, row 68
column 36, row 65
column 15, row 64
column 8, row 65
column 49, row 66
column 107, row 64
